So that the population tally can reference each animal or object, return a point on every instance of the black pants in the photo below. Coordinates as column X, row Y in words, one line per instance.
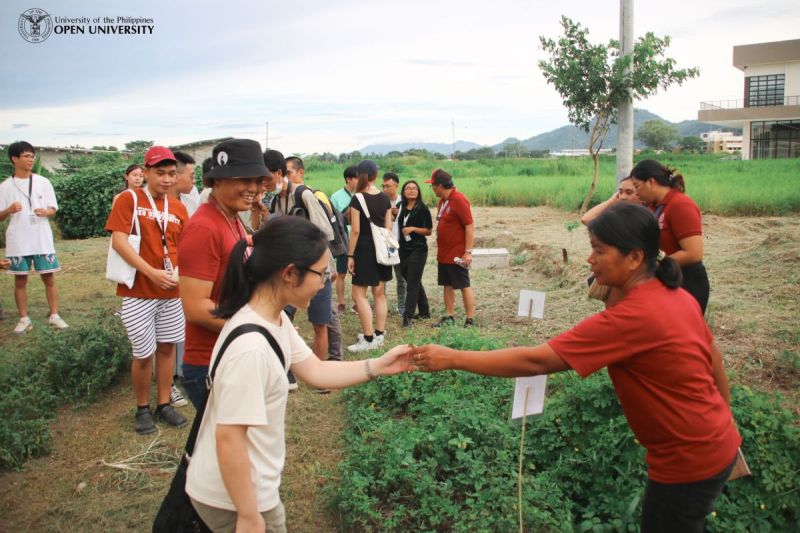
column 695, row 281
column 681, row 507
column 412, row 265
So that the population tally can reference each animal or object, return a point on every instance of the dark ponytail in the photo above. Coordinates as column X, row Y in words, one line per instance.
column 283, row 241
column 367, row 172
column 669, row 272
column 668, row 177
column 627, row 227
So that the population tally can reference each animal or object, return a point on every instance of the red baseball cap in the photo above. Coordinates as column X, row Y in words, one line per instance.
column 157, row 154
column 440, row 177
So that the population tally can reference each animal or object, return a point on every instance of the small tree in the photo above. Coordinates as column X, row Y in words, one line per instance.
column 657, row 134
column 593, row 82
column 692, row 143
column 138, row 146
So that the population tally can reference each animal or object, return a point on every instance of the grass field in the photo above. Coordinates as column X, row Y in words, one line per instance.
column 83, row 484
column 720, row 186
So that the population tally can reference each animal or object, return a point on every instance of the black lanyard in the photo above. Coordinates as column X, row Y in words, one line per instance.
column 30, row 190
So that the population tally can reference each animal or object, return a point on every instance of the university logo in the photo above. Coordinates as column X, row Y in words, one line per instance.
column 35, row 25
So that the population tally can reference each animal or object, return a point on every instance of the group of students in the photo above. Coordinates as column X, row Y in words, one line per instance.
column 661, row 356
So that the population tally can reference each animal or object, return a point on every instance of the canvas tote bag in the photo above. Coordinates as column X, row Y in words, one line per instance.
column 117, row 269
column 386, row 246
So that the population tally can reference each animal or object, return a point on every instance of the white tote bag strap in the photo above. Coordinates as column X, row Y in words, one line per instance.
column 363, row 203
column 135, row 218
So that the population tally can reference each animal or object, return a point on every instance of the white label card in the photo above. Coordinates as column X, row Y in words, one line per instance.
column 529, row 396
column 531, row 304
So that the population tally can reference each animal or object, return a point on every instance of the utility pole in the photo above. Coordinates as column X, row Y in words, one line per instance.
column 625, row 111
column 453, row 124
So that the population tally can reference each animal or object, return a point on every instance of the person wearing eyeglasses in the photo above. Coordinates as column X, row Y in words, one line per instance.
column 234, row 475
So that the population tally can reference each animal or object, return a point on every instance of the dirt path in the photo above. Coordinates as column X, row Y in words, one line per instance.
column 754, row 310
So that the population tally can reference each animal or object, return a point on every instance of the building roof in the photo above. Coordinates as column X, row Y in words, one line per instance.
column 199, row 143
column 763, row 53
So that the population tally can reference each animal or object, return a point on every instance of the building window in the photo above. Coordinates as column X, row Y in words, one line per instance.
column 774, row 139
column 764, row 90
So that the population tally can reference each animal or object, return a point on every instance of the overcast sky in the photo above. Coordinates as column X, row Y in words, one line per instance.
column 336, row 76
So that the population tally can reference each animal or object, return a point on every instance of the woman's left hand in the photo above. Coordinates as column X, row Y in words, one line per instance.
column 408, row 230
column 395, row 361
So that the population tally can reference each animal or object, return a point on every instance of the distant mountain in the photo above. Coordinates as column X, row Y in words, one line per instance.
column 562, row 138
column 441, row 148
column 567, row 137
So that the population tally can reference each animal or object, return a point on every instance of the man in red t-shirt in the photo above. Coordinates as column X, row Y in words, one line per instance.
column 455, row 233
column 151, row 309
column 208, row 239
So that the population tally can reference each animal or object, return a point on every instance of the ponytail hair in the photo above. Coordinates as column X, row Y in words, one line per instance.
column 367, row 172
column 669, row 272
column 627, row 226
column 668, row 177
column 283, row 241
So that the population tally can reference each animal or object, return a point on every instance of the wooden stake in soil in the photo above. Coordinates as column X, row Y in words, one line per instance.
column 519, row 476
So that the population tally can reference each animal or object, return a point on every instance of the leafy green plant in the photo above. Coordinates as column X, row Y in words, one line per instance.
column 85, row 188
column 71, row 366
column 437, row 452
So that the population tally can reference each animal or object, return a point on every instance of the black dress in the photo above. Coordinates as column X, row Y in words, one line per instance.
column 369, row 273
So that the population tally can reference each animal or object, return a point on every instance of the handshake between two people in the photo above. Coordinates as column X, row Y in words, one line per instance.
column 411, row 358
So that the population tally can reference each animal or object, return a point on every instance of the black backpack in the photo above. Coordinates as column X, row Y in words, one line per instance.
column 339, row 245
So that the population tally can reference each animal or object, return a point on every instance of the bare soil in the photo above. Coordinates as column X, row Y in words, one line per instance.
column 84, row 484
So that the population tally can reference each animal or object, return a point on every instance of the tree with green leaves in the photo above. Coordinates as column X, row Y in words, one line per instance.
column 138, row 146
column 657, row 134
column 692, row 143
column 593, row 79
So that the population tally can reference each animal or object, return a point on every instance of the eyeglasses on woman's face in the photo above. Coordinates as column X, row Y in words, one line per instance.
column 324, row 275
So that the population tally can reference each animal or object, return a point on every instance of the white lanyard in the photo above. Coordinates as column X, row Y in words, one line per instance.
column 440, row 213
column 158, row 216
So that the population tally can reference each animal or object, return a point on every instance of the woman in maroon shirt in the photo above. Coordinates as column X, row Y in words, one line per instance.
column 661, row 357
column 679, row 220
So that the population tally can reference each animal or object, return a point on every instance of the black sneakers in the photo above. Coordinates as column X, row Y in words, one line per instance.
column 407, row 322
column 446, row 320
column 469, row 323
column 172, row 417
column 144, row 421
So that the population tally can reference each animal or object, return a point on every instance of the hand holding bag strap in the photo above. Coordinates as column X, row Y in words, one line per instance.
column 237, row 331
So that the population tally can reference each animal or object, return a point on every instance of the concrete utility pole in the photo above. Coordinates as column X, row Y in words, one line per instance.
column 625, row 111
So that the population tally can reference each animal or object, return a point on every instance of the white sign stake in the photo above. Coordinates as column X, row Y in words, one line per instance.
column 531, row 304
column 529, row 396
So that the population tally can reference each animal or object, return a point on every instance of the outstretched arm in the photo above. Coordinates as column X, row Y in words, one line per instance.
column 508, row 362
column 340, row 374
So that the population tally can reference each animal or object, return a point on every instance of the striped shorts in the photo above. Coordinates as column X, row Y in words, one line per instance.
column 148, row 321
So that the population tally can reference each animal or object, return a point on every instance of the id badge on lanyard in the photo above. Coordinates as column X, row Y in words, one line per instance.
column 161, row 222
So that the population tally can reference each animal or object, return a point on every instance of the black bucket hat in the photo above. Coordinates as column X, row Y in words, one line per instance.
column 237, row 158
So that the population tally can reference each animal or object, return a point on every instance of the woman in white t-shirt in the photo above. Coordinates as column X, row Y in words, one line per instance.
column 235, row 472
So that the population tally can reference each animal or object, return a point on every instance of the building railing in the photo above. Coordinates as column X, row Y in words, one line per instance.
column 741, row 104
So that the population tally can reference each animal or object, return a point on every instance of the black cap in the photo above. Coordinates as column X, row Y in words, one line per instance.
column 237, row 158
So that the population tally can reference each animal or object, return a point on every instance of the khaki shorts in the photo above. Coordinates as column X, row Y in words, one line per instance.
column 224, row 521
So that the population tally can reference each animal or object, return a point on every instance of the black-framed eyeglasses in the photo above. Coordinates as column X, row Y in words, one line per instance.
column 324, row 275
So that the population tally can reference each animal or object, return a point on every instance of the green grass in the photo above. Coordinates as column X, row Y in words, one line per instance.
column 719, row 186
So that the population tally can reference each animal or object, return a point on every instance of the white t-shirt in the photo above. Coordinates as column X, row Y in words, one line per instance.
column 250, row 388
column 191, row 200
column 28, row 235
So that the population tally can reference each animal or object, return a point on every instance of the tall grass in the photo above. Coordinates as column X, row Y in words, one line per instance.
column 720, row 186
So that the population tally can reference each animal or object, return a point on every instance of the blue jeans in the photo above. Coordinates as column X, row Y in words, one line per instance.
column 194, row 381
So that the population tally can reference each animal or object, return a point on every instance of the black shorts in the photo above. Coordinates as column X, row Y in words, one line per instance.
column 453, row 276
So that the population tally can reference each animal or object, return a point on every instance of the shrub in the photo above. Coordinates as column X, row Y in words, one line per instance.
column 436, row 452
column 70, row 366
column 85, row 188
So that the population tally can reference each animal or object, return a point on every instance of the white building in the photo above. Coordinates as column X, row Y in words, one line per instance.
column 769, row 113
column 722, row 141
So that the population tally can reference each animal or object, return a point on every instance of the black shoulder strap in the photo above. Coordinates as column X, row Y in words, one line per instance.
column 237, row 332
column 298, row 197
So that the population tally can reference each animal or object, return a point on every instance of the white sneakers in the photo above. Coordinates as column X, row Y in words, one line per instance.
column 25, row 325
column 363, row 345
column 57, row 322
column 176, row 398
